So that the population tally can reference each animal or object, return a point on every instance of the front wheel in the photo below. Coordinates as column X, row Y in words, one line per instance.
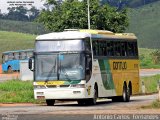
column 93, row 101
column 50, row 102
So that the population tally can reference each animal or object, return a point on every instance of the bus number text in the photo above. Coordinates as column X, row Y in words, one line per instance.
column 119, row 65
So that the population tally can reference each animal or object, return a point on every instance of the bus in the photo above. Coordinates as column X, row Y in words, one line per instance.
column 11, row 59
column 84, row 65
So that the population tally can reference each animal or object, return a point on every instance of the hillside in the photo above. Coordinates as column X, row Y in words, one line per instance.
column 145, row 22
column 128, row 3
column 15, row 41
column 21, row 26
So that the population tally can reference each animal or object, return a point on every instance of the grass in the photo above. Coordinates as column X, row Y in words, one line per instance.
column 15, row 41
column 154, row 105
column 151, row 83
column 16, row 91
column 146, row 60
column 22, row 27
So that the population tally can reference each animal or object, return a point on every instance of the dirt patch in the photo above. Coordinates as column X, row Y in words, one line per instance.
column 16, row 104
column 12, row 76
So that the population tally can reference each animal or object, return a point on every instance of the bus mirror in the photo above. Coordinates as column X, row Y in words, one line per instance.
column 30, row 65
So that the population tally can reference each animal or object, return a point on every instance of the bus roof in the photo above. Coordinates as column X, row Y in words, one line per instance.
column 84, row 33
column 14, row 51
column 63, row 35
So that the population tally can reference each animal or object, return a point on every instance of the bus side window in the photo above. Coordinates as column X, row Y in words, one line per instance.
column 16, row 56
column 23, row 55
column 4, row 58
column 10, row 56
column 29, row 54
column 88, row 46
column 135, row 49
column 130, row 49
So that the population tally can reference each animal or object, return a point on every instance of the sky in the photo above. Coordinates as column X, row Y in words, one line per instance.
column 4, row 4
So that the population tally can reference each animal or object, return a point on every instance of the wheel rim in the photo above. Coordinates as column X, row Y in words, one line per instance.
column 124, row 94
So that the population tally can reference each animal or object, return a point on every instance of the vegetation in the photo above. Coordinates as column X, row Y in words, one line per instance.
column 15, row 41
column 149, row 58
column 144, row 22
column 16, row 91
column 151, row 83
column 22, row 27
column 155, row 104
column 128, row 3
column 20, row 13
column 72, row 14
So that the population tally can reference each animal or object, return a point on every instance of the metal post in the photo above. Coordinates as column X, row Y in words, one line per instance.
column 143, row 88
column 89, row 26
column 159, row 90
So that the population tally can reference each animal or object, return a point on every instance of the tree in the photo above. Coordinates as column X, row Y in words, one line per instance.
column 33, row 13
column 73, row 14
column 17, row 13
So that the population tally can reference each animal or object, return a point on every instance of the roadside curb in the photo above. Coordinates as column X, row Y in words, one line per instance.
column 17, row 104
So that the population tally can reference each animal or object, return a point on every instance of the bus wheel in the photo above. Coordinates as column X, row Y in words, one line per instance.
column 126, row 94
column 10, row 69
column 50, row 102
column 93, row 100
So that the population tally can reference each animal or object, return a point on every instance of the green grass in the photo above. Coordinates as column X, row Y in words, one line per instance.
column 15, row 41
column 16, row 91
column 151, row 83
column 146, row 60
column 145, row 22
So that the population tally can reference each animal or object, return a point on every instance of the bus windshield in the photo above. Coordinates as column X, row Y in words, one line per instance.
column 63, row 45
column 61, row 66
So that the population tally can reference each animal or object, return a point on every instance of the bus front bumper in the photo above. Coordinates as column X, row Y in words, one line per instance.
column 61, row 93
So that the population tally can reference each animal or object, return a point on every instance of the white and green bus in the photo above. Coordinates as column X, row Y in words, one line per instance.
column 84, row 65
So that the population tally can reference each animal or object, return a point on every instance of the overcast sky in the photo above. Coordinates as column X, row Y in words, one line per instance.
column 4, row 4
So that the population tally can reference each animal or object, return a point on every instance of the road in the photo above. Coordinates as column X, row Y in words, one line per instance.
column 149, row 72
column 71, row 110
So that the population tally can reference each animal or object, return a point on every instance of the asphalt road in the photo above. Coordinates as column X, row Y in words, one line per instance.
column 149, row 72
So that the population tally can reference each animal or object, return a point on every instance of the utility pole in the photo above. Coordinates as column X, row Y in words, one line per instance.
column 89, row 26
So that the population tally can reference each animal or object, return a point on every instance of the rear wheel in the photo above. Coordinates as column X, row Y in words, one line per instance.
column 126, row 94
column 50, row 102
column 10, row 69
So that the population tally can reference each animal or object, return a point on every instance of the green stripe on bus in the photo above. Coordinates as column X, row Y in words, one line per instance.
column 106, row 74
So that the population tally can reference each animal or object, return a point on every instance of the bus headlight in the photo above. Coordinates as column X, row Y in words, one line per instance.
column 78, row 86
column 39, row 87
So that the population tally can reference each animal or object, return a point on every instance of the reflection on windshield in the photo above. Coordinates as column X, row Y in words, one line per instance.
column 60, row 67
column 46, row 67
